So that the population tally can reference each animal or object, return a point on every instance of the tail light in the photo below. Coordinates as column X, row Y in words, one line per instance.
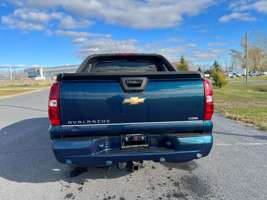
column 53, row 105
column 209, row 105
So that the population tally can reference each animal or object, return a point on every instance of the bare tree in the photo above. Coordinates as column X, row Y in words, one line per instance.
column 256, row 58
column 257, row 52
column 238, row 57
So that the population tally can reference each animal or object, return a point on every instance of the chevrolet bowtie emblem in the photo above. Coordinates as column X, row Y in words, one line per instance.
column 133, row 101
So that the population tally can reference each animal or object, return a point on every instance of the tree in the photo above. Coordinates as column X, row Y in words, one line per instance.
column 256, row 58
column 238, row 58
column 219, row 78
column 257, row 53
column 216, row 66
column 182, row 65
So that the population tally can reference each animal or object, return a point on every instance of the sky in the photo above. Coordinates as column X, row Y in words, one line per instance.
column 58, row 32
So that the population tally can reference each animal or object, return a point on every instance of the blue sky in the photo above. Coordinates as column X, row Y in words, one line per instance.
column 56, row 32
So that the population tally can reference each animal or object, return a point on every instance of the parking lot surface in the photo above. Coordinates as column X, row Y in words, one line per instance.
column 235, row 169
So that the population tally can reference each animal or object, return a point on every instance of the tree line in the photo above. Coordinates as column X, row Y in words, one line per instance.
column 216, row 72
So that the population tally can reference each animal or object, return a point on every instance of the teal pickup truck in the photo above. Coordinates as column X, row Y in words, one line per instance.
column 121, row 108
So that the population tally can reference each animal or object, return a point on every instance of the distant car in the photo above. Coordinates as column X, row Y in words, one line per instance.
column 255, row 73
column 237, row 74
column 207, row 75
column 262, row 73
column 231, row 75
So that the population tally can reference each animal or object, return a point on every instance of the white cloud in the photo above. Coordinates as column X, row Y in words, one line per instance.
column 136, row 14
column 68, row 22
column 191, row 51
column 107, row 45
column 241, row 9
column 191, row 45
column 37, row 20
column 246, row 5
column 207, row 55
column 171, row 53
column 80, row 40
column 36, row 16
column 110, row 45
column 25, row 26
column 80, row 34
column 260, row 6
column 172, row 48
column 65, row 18
column 214, row 44
column 71, row 33
column 237, row 16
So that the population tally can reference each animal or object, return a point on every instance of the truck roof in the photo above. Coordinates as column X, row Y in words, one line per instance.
column 150, row 56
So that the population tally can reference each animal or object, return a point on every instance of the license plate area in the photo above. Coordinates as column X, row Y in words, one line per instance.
column 133, row 141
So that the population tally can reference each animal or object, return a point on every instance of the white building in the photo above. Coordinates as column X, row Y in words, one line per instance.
column 35, row 73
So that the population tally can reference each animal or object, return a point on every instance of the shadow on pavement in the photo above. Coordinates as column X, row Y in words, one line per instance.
column 26, row 156
column 187, row 166
column 260, row 137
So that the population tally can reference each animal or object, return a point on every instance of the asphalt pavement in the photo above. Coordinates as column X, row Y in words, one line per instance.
column 236, row 168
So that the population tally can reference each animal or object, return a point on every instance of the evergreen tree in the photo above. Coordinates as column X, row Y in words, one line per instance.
column 216, row 66
column 219, row 78
column 182, row 65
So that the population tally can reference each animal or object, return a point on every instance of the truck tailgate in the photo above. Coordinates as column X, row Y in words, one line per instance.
column 102, row 99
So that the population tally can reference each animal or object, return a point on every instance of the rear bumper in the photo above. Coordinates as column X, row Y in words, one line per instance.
column 99, row 151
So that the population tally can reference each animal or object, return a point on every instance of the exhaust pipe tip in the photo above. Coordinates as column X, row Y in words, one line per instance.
column 108, row 163
column 68, row 161
column 199, row 155
column 162, row 159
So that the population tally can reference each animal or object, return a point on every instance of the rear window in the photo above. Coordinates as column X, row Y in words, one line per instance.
column 121, row 64
column 124, row 66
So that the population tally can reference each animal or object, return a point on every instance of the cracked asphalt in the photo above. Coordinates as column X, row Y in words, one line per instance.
column 235, row 169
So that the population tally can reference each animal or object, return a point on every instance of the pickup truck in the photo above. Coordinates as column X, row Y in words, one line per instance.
column 120, row 108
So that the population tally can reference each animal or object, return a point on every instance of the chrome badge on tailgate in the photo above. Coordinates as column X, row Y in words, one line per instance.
column 133, row 101
column 85, row 122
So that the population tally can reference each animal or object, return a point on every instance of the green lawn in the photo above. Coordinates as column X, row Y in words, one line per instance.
column 8, row 92
column 8, row 88
column 248, row 104
column 243, row 78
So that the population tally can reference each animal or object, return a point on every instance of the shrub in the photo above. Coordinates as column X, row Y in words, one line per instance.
column 219, row 78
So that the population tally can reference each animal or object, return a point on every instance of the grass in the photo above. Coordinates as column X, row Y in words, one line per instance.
column 8, row 88
column 247, row 104
column 13, row 92
column 243, row 78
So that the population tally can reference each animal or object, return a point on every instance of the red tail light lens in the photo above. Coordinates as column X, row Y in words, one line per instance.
column 53, row 105
column 209, row 105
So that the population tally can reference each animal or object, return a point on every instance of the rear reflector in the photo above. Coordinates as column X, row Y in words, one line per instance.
column 209, row 106
column 53, row 105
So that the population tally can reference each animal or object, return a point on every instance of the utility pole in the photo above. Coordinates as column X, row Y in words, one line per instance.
column 246, row 47
column 10, row 73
